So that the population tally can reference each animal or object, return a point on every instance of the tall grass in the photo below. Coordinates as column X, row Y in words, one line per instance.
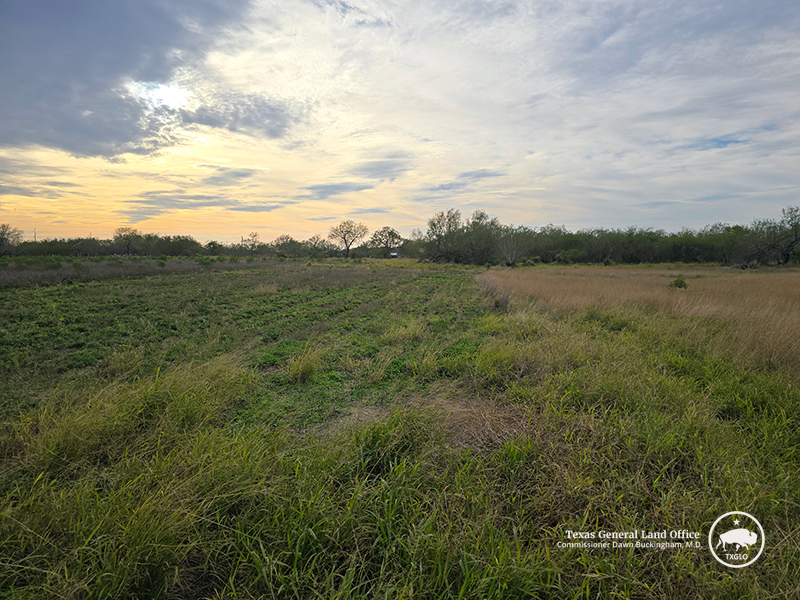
column 762, row 309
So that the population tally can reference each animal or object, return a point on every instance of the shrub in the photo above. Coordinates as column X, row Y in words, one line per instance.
column 678, row 283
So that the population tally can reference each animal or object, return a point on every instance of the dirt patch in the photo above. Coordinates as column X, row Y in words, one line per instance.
column 468, row 422
column 357, row 417
column 478, row 423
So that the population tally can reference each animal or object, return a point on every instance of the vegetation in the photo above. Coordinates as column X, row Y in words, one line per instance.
column 346, row 233
column 393, row 429
column 478, row 240
column 679, row 283
column 10, row 238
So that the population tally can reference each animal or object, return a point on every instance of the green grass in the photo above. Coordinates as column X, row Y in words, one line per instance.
column 192, row 436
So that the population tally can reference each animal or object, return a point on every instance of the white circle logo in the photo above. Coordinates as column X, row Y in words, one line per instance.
column 734, row 537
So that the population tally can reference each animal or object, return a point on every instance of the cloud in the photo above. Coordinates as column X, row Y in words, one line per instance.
column 12, row 190
column 715, row 197
column 465, row 181
column 328, row 190
column 369, row 211
column 227, row 176
column 656, row 204
column 14, row 166
column 352, row 14
column 30, row 192
column 381, row 169
column 246, row 113
column 713, row 144
column 66, row 66
column 480, row 174
column 153, row 203
column 448, row 187
column 321, row 218
column 260, row 207
column 157, row 202
column 62, row 184
column 179, row 199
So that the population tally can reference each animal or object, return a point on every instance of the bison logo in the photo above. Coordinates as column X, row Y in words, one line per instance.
column 742, row 538
column 735, row 547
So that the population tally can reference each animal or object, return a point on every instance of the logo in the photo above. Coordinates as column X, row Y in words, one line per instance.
column 736, row 539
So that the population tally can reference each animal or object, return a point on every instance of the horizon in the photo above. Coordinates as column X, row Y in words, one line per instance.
column 324, row 235
column 286, row 118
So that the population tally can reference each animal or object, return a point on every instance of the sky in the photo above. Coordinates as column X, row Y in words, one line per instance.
column 217, row 118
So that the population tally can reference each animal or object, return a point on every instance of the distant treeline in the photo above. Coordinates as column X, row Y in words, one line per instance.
column 478, row 239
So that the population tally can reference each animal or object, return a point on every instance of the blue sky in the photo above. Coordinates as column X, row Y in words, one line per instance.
column 219, row 118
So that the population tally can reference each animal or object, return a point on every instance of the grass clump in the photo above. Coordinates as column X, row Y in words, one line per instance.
column 76, row 427
column 305, row 366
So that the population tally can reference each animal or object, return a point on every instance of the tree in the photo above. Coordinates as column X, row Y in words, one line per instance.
column 125, row 236
column 513, row 242
column 441, row 238
column 9, row 238
column 288, row 247
column 318, row 247
column 213, row 247
column 479, row 240
column 251, row 242
column 315, row 241
column 791, row 222
column 548, row 242
column 346, row 233
column 387, row 239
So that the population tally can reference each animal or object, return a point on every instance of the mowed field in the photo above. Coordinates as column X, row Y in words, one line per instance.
column 390, row 429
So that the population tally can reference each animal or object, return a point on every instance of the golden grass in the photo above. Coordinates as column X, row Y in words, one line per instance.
column 762, row 308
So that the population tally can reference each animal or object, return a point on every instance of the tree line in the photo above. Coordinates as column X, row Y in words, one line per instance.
column 477, row 239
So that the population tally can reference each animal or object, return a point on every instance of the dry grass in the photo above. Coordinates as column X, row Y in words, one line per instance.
column 763, row 308
column 304, row 367
column 266, row 289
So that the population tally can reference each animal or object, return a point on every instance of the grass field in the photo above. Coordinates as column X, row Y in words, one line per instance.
column 392, row 430
column 761, row 308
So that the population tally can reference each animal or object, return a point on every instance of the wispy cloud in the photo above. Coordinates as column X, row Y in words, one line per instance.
column 152, row 203
column 9, row 190
column 381, row 169
column 227, row 176
column 464, row 181
column 260, row 207
column 62, row 184
column 158, row 202
column 713, row 144
column 329, row 190
column 369, row 211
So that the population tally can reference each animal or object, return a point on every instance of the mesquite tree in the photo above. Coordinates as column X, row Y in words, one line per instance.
column 346, row 233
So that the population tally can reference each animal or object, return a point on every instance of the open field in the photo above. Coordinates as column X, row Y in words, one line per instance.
column 22, row 271
column 336, row 430
column 761, row 309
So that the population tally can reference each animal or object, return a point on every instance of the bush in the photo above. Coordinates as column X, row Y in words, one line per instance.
column 678, row 283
